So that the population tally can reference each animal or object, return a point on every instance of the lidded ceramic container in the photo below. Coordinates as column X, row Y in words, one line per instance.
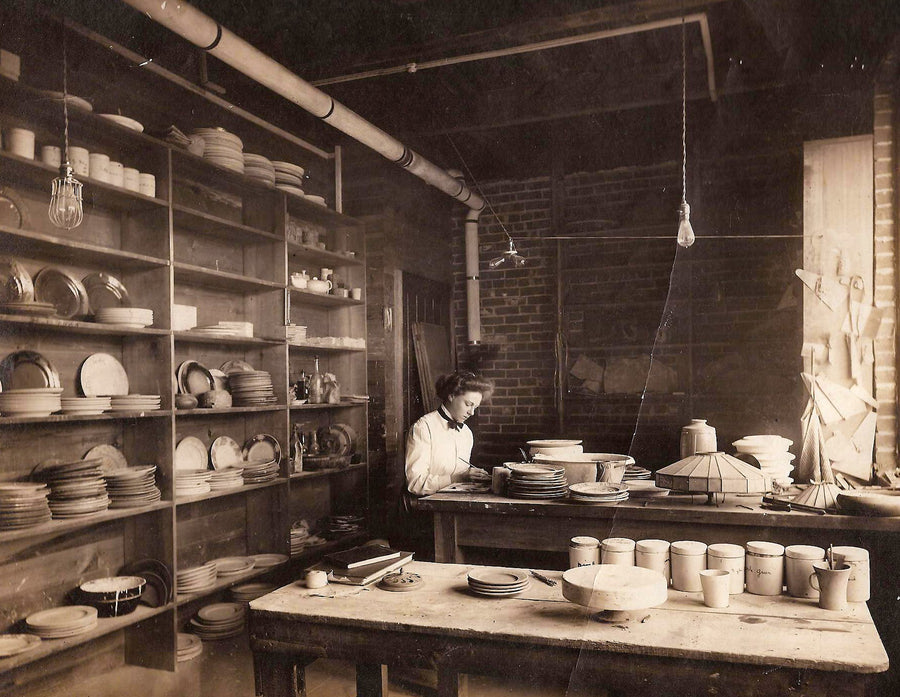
column 730, row 558
column 688, row 559
column 584, row 551
column 617, row 550
column 798, row 567
column 858, row 560
column 764, row 565
column 653, row 554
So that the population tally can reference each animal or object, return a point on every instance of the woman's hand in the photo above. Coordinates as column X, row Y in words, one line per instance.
column 476, row 474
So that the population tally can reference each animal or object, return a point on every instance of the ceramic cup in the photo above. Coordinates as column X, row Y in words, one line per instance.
column 80, row 159
column 356, row 293
column 342, row 292
column 131, row 179
column 99, row 166
column 831, row 584
column 51, row 155
column 20, row 141
column 316, row 578
column 147, row 184
column 116, row 173
column 716, row 584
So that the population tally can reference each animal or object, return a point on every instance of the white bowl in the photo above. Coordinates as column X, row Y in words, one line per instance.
column 589, row 467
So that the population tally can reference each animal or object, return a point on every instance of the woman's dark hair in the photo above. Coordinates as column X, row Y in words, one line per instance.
column 449, row 386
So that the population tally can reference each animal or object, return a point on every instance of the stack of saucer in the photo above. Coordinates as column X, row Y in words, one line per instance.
column 598, row 493
column 84, row 406
column 497, row 583
column 246, row 592
column 527, row 481
column 259, row 168
column 33, row 401
column 231, row 566
column 134, row 317
column 340, row 525
column 289, row 177
column 228, row 478
column 252, row 388
column 192, row 482
column 222, row 148
column 771, row 453
column 219, row 621
column 76, row 488
column 196, row 578
column 259, row 471
column 62, row 622
column 189, row 646
column 135, row 402
column 131, row 487
column 633, row 472
column 23, row 505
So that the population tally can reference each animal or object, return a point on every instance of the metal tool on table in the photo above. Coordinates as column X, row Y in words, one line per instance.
column 542, row 578
column 776, row 504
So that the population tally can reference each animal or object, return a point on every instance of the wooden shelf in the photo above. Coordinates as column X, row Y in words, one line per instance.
column 36, row 174
column 325, row 407
column 189, row 337
column 71, row 418
column 314, row 213
column 319, row 474
column 105, row 625
column 28, row 243
column 227, row 411
column 205, row 224
column 54, row 528
column 321, row 256
column 188, row 500
column 311, row 348
column 306, row 297
column 222, row 280
column 71, row 326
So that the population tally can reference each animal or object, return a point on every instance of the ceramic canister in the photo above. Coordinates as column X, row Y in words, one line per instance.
column 798, row 565
column 857, row 559
column 20, row 141
column 147, row 184
column 617, row 550
column 51, row 155
column 729, row 558
column 764, row 565
column 99, row 163
column 116, row 172
column 698, row 437
column 131, row 179
column 80, row 159
column 653, row 554
column 583, row 551
column 688, row 559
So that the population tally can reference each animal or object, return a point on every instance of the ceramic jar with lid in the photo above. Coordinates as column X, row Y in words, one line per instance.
column 764, row 563
column 653, row 554
column 617, row 550
column 728, row 558
column 857, row 559
column 688, row 559
column 798, row 567
column 698, row 437
column 584, row 551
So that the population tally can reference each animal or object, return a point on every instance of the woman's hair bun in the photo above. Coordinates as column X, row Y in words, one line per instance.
column 449, row 386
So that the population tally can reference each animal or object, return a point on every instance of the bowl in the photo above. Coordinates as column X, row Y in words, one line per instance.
column 185, row 401
column 885, row 502
column 554, row 447
column 215, row 399
column 589, row 467
column 112, row 596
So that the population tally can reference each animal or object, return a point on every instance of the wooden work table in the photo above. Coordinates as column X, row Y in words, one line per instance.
column 758, row 645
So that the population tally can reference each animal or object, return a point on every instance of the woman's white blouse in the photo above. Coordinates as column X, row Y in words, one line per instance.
column 436, row 454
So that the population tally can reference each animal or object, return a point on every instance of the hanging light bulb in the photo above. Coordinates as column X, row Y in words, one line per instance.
column 511, row 254
column 66, row 206
column 685, row 231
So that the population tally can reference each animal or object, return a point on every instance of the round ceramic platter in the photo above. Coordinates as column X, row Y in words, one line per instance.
column 553, row 443
column 66, row 293
column 110, row 458
column 123, row 121
column 264, row 561
column 105, row 290
column 194, row 378
column 495, row 577
column 226, row 566
column 190, row 454
column 15, row 282
column 318, row 200
column 13, row 212
column 102, row 375
column 236, row 366
column 65, row 617
column 221, row 612
column 262, row 446
column 27, row 370
column 71, row 99
column 224, row 453
column 598, row 489
column 645, row 489
column 34, row 309
column 542, row 471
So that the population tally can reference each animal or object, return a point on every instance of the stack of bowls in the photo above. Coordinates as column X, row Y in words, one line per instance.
column 771, row 452
column 113, row 596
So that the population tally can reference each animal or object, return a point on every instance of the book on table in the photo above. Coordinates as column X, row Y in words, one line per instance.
column 361, row 556
column 363, row 575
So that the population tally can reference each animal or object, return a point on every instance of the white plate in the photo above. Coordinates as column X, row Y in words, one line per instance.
column 13, row 644
column 102, row 375
column 124, row 121
column 65, row 617
column 190, row 454
column 111, row 458
column 224, row 453
column 264, row 561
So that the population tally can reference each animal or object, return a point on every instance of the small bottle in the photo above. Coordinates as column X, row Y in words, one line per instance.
column 313, row 440
column 302, row 388
column 316, row 385
column 298, row 446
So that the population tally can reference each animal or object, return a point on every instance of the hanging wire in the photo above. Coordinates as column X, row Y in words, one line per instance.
column 683, row 113
column 479, row 189
column 65, row 96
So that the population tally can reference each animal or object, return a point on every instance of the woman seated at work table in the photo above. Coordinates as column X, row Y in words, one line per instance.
column 439, row 444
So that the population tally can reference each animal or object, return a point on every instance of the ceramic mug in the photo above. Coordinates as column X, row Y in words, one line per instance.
column 356, row 293
column 831, row 584
column 342, row 292
column 317, row 286
column 716, row 584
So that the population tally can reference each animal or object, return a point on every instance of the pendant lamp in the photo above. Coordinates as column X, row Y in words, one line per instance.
column 685, row 231
column 66, row 206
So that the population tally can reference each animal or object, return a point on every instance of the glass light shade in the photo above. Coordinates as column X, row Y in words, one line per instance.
column 685, row 231
column 66, row 207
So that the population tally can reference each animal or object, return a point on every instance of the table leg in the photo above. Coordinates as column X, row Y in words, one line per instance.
column 451, row 683
column 371, row 680
column 446, row 549
column 279, row 675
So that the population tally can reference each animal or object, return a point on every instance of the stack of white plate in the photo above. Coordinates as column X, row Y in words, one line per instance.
column 215, row 330
column 34, row 401
column 192, row 482
column 339, row 525
column 246, row 592
column 312, row 198
column 497, row 583
column 633, row 472
column 196, row 579
column 219, row 621
column 527, row 481
column 23, row 505
column 231, row 566
column 61, row 622
column 84, row 406
column 289, row 177
column 222, row 148
column 251, row 388
column 132, row 487
column 259, row 471
column 268, row 560
column 598, row 493
column 300, row 536
column 76, row 488
column 229, row 478
column 189, row 646
column 259, row 168
column 135, row 402
column 645, row 490
column 771, row 452
column 134, row 317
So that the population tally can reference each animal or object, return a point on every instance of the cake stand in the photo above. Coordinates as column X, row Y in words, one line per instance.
column 621, row 593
